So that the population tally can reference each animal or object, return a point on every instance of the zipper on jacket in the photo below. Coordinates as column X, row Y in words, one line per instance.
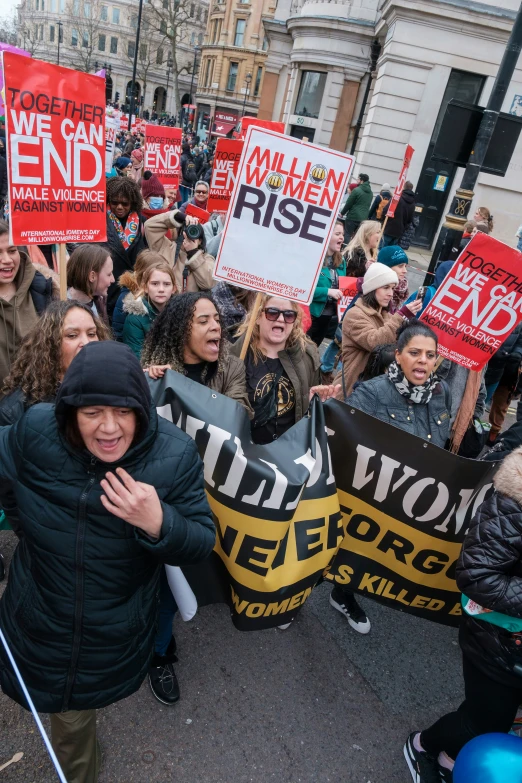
column 79, row 585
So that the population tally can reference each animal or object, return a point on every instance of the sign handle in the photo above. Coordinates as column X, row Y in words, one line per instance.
column 382, row 229
column 250, row 328
column 62, row 269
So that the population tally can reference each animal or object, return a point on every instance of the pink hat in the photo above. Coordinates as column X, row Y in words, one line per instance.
column 137, row 155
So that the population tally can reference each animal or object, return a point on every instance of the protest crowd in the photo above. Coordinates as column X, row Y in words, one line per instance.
column 102, row 490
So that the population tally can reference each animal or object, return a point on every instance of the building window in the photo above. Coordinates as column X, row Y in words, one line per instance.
column 198, row 13
column 192, row 9
column 257, row 83
column 104, row 13
column 265, row 44
column 193, row 39
column 37, row 5
column 62, row 6
column 240, row 32
column 101, row 43
column 310, row 95
column 53, row 6
column 85, row 40
column 131, row 49
column 86, row 10
column 114, row 46
column 163, row 27
column 74, row 37
column 200, row 39
column 51, row 33
column 165, row 4
column 206, row 79
column 232, row 76
column 159, row 57
column 115, row 15
column 143, row 51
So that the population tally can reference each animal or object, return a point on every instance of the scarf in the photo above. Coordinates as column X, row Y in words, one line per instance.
column 419, row 394
column 128, row 234
column 400, row 293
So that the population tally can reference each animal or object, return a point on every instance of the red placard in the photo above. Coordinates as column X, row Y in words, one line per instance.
column 348, row 286
column 249, row 122
column 163, row 153
column 55, row 152
column 224, row 171
column 224, row 122
column 478, row 304
column 194, row 211
column 400, row 184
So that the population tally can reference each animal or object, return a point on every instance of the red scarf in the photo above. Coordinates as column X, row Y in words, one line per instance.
column 128, row 234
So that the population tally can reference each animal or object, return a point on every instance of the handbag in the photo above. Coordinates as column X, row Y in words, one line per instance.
column 265, row 408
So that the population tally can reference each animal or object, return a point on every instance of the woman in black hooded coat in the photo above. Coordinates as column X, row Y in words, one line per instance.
column 79, row 611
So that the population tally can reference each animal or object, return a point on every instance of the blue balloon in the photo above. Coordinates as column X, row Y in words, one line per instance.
column 490, row 758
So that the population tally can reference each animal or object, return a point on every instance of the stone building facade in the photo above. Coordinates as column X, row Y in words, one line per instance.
column 320, row 82
column 90, row 34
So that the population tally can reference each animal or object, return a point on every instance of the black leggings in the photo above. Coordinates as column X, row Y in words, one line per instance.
column 488, row 706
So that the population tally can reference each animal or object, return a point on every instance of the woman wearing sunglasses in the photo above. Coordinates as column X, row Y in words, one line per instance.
column 201, row 191
column 282, row 368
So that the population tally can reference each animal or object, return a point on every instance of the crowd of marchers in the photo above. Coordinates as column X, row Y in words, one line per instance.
column 101, row 491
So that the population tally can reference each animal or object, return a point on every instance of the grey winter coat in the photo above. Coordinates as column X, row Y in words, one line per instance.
column 380, row 398
column 489, row 572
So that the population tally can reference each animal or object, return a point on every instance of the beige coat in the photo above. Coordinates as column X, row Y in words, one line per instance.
column 363, row 330
column 201, row 264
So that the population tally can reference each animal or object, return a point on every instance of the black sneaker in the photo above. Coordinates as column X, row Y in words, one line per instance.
column 423, row 768
column 344, row 602
column 162, row 677
column 445, row 775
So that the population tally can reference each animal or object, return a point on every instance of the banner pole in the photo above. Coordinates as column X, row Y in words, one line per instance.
column 250, row 329
column 62, row 269
column 382, row 229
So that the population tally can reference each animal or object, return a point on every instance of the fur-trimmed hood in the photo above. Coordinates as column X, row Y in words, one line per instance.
column 133, row 305
column 508, row 478
column 128, row 280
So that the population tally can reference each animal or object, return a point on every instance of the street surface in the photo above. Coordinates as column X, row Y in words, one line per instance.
column 317, row 703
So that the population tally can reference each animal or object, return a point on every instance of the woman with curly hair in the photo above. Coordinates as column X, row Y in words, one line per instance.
column 41, row 362
column 125, row 234
column 187, row 337
column 282, row 368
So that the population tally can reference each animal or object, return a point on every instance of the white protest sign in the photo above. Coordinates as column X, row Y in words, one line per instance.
column 281, row 214
column 111, row 128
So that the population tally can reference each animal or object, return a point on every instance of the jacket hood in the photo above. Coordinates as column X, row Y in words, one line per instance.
column 128, row 280
column 408, row 196
column 135, row 305
column 508, row 478
column 24, row 276
column 366, row 187
column 105, row 373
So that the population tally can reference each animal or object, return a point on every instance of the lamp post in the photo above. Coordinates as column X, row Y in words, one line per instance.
column 196, row 50
column 170, row 66
column 60, row 25
column 135, row 66
column 248, row 79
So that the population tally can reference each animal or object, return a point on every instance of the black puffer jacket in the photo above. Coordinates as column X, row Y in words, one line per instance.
column 490, row 572
column 79, row 611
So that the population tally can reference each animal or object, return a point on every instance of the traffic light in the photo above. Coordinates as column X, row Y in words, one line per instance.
column 206, row 121
column 142, row 100
column 117, row 96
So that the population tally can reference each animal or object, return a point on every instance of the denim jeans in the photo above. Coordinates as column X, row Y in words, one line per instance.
column 167, row 610
column 329, row 357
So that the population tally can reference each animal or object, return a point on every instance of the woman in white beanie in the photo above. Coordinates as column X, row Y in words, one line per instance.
column 369, row 323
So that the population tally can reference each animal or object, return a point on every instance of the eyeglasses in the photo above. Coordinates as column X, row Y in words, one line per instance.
column 116, row 202
column 272, row 314
column 201, row 192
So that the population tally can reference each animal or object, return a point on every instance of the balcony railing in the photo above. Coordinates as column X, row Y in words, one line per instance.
column 229, row 95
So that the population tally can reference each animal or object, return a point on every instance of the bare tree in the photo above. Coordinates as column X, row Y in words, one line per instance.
column 152, row 48
column 86, row 27
column 175, row 20
column 31, row 37
column 9, row 30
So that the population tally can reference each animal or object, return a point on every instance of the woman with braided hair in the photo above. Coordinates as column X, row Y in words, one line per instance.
column 187, row 337
column 125, row 234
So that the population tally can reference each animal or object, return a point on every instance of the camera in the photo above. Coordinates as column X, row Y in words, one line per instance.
column 193, row 232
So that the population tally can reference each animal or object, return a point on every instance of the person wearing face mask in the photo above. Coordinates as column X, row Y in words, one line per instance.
column 125, row 234
column 24, row 295
column 89, row 275
column 369, row 323
column 323, row 307
column 282, row 368
column 157, row 287
column 153, row 193
column 193, row 266
column 187, row 338
column 39, row 367
column 107, row 491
